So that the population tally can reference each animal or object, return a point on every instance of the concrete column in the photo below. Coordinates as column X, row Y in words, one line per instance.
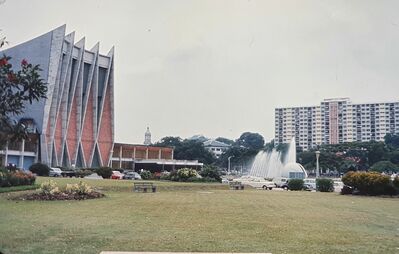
column 146, row 153
column 160, row 153
column 120, row 157
column 173, row 151
column 134, row 153
column 6, row 155
column 22, row 151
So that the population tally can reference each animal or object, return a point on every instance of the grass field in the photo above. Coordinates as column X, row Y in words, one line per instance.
column 200, row 217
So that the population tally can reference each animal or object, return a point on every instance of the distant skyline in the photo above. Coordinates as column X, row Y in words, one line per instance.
column 220, row 68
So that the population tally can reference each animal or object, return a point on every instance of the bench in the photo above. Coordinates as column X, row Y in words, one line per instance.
column 144, row 187
column 236, row 186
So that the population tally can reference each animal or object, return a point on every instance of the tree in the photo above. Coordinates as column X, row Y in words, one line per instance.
column 225, row 140
column 17, row 88
column 392, row 141
column 238, row 155
column 269, row 146
column 377, row 152
column 193, row 150
column 394, row 157
column 384, row 166
column 251, row 141
column 211, row 172
column 169, row 141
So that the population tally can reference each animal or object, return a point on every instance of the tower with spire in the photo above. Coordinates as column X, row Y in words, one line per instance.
column 147, row 137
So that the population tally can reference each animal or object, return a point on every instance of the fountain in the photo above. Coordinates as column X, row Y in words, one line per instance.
column 272, row 164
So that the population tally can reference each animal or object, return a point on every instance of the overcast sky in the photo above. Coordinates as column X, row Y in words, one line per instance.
column 219, row 68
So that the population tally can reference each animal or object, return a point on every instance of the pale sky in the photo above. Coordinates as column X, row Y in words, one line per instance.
column 220, row 68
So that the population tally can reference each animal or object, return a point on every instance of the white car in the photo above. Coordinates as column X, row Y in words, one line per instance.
column 225, row 180
column 280, row 182
column 310, row 183
column 55, row 172
column 256, row 182
column 338, row 185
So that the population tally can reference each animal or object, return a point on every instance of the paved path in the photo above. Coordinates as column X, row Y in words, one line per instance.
column 127, row 252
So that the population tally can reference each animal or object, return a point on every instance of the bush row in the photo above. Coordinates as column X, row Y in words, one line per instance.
column 324, row 185
column 15, row 178
column 369, row 183
column 207, row 174
column 39, row 169
column 295, row 184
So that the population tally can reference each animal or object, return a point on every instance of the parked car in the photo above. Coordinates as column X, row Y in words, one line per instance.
column 256, row 182
column 309, row 184
column 281, row 182
column 55, row 172
column 117, row 175
column 225, row 180
column 338, row 185
column 261, row 183
column 131, row 175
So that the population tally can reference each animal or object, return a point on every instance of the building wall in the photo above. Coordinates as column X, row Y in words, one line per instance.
column 336, row 121
column 76, row 121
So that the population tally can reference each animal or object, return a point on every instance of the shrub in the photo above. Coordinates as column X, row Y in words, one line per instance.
column 105, row 172
column 80, row 188
column 368, row 183
column 165, row 175
column 185, row 173
column 49, row 188
column 146, row 175
column 211, row 172
column 16, row 178
column 324, row 185
column 39, row 169
column 295, row 184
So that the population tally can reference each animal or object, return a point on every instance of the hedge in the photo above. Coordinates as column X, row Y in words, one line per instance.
column 369, row 183
column 295, row 184
column 324, row 185
column 39, row 169
column 16, row 178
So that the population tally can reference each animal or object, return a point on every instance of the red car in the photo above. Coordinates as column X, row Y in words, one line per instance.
column 117, row 175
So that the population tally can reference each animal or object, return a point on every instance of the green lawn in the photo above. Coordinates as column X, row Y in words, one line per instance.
column 200, row 217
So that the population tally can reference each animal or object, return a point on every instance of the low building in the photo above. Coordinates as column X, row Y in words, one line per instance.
column 216, row 147
column 23, row 153
column 153, row 158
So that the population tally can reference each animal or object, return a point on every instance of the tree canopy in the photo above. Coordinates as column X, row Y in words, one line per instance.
column 17, row 89
column 250, row 140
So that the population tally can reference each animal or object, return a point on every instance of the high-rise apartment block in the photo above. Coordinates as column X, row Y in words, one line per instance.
column 336, row 121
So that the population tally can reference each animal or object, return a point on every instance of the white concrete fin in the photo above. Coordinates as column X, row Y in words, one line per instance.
column 111, row 51
column 81, row 43
column 70, row 37
column 96, row 48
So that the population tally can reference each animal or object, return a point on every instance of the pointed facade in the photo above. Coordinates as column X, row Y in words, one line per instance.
column 76, row 121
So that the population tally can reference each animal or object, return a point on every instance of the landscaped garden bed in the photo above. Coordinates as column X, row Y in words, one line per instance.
column 49, row 190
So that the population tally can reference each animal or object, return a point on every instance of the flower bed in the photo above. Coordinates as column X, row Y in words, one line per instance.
column 16, row 178
column 50, row 191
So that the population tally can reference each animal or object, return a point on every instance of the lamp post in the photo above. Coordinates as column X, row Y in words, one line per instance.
column 317, row 164
column 228, row 165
